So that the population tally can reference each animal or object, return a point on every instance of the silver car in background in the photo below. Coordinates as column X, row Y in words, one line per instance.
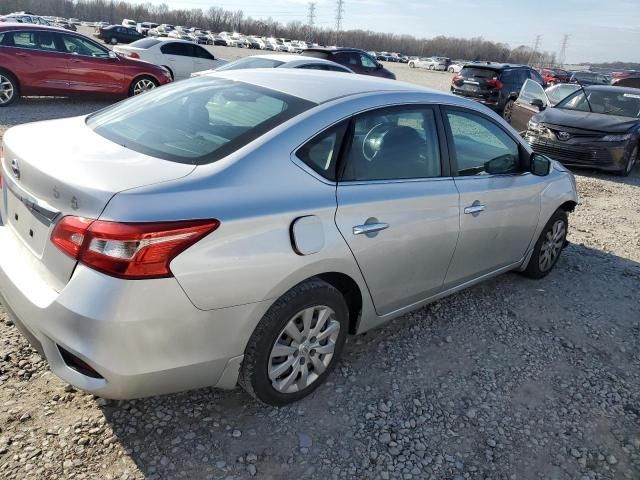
column 236, row 227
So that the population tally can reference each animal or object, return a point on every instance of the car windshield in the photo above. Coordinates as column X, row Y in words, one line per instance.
column 251, row 62
column 145, row 43
column 608, row 102
column 196, row 121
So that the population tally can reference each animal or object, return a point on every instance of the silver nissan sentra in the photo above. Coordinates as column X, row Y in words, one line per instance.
column 234, row 228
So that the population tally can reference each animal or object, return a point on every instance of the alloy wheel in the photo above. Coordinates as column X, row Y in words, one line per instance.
column 304, row 349
column 633, row 158
column 552, row 245
column 143, row 85
column 6, row 90
column 508, row 111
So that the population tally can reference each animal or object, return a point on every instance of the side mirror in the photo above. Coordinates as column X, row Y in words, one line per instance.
column 379, row 66
column 501, row 165
column 540, row 165
column 113, row 54
column 538, row 103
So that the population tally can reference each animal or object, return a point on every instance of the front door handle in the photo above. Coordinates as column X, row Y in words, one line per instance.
column 473, row 209
column 369, row 228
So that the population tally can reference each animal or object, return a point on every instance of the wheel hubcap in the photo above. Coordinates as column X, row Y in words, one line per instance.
column 552, row 245
column 6, row 90
column 304, row 349
column 630, row 163
column 142, row 86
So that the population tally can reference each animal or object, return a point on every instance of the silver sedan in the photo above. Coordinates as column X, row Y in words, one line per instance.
column 235, row 227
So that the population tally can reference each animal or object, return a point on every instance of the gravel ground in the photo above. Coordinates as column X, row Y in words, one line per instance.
column 512, row 379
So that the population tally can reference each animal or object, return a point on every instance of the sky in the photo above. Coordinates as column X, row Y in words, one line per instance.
column 599, row 30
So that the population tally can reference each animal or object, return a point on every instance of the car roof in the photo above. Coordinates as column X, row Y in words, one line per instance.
column 283, row 57
column 611, row 88
column 321, row 86
column 333, row 50
column 494, row 65
column 31, row 26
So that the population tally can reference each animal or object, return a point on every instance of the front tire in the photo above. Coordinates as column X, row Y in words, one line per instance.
column 631, row 161
column 296, row 344
column 547, row 249
column 9, row 89
column 141, row 85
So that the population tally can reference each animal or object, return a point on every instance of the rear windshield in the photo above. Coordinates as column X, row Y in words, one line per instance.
column 196, row 121
column 475, row 72
column 251, row 62
column 145, row 43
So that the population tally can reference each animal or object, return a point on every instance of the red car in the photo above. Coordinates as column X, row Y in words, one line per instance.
column 552, row 76
column 50, row 61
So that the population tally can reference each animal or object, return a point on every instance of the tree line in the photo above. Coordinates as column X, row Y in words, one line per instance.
column 219, row 19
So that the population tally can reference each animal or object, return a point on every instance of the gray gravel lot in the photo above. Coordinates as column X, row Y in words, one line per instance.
column 512, row 379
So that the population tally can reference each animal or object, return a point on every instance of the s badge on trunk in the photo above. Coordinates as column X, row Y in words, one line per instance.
column 15, row 168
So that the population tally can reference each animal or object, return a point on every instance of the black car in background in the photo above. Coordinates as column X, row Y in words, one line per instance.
column 589, row 78
column 357, row 60
column 495, row 85
column 627, row 79
column 596, row 126
column 114, row 34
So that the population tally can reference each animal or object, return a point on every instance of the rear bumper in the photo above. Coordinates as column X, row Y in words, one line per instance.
column 493, row 102
column 141, row 337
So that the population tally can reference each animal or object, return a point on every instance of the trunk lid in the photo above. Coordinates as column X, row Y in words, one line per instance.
column 61, row 167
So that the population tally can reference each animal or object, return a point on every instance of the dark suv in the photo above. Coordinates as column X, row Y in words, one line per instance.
column 357, row 60
column 496, row 85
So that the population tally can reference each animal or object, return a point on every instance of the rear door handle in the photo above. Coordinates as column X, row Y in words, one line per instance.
column 476, row 208
column 369, row 228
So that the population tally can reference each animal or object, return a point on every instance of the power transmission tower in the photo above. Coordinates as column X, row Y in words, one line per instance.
column 563, row 50
column 534, row 52
column 311, row 17
column 339, row 18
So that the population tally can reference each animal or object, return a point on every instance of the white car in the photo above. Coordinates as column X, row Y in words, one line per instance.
column 429, row 63
column 455, row 67
column 179, row 35
column 280, row 61
column 180, row 57
column 129, row 23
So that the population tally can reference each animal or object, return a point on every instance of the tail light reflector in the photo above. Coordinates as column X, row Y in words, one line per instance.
column 128, row 250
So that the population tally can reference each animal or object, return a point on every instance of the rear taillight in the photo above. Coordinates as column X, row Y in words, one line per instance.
column 134, row 55
column 456, row 79
column 494, row 83
column 128, row 250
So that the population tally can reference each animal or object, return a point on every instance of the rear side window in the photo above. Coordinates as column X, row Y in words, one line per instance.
column 349, row 59
column 177, row 48
column 196, row 122
column 145, row 43
column 321, row 153
column 393, row 144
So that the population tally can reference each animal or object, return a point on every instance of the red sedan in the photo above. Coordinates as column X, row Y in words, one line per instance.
column 553, row 76
column 50, row 61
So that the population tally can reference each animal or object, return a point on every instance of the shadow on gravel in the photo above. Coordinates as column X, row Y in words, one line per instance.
column 632, row 179
column 511, row 376
column 32, row 109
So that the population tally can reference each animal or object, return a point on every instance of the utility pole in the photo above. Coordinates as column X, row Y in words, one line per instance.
column 563, row 50
column 534, row 52
column 311, row 17
column 339, row 18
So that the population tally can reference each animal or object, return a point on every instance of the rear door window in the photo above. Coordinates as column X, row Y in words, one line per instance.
column 394, row 144
column 350, row 59
column 177, row 48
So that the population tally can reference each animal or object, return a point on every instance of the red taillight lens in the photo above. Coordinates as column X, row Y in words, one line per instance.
column 134, row 55
column 128, row 250
column 494, row 83
column 456, row 79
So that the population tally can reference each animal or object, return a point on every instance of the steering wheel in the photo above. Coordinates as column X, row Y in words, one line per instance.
column 373, row 140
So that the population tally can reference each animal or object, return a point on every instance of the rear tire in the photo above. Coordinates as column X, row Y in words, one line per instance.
column 548, row 248
column 508, row 110
column 282, row 361
column 9, row 89
column 631, row 162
